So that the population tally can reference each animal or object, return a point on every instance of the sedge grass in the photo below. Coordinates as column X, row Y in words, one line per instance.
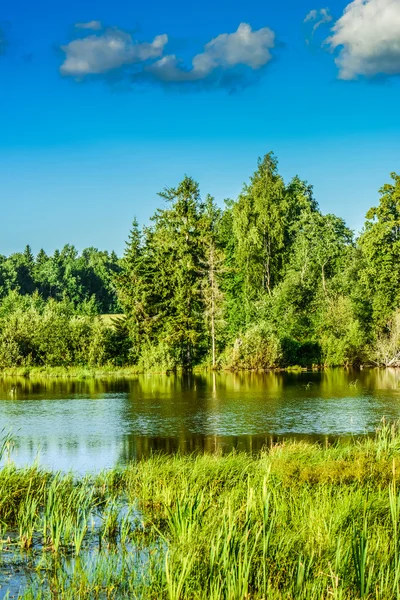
column 298, row 521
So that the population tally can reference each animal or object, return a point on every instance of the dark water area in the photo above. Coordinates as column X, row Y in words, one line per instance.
column 95, row 424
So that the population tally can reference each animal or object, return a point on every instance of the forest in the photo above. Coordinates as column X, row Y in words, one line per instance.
column 267, row 281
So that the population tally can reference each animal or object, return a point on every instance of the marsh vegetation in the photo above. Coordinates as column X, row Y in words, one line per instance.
column 295, row 521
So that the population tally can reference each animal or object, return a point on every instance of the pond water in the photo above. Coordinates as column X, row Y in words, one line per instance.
column 94, row 424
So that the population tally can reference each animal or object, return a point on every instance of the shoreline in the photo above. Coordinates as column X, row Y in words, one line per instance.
column 133, row 371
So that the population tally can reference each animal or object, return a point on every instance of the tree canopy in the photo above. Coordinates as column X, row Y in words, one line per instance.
column 268, row 280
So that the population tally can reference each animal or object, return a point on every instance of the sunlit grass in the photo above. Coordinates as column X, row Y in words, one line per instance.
column 296, row 521
column 83, row 372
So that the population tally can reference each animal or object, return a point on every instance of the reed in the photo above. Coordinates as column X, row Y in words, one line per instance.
column 297, row 521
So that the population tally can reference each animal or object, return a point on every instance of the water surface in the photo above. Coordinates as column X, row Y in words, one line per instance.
column 93, row 424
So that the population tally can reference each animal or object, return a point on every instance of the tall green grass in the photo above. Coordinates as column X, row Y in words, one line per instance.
column 69, row 372
column 298, row 521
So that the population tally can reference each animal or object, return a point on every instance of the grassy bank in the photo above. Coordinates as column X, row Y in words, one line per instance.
column 90, row 372
column 126, row 371
column 69, row 372
column 296, row 521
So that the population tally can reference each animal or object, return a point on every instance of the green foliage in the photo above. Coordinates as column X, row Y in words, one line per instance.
column 294, row 521
column 168, row 284
column 35, row 332
column 79, row 278
column 341, row 337
column 266, row 281
column 258, row 348
column 386, row 350
column 259, row 228
column 160, row 357
column 380, row 245
column 306, row 353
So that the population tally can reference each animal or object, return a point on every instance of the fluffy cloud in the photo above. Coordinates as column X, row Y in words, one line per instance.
column 98, row 54
column 368, row 39
column 94, row 25
column 229, row 60
column 245, row 47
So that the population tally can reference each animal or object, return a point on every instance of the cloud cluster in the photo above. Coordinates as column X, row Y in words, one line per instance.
column 368, row 39
column 113, row 49
column 225, row 61
column 319, row 17
column 365, row 39
column 228, row 50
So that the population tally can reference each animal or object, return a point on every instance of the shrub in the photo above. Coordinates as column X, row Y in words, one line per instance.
column 258, row 348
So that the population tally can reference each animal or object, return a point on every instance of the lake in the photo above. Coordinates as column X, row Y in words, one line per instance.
column 94, row 424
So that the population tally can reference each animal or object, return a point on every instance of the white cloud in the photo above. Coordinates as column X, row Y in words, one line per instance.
column 320, row 16
column 230, row 60
column 368, row 39
column 98, row 54
column 94, row 25
column 244, row 47
column 311, row 16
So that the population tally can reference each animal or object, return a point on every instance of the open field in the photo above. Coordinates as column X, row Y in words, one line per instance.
column 297, row 521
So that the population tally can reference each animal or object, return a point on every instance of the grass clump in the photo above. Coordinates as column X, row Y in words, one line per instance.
column 297, row 521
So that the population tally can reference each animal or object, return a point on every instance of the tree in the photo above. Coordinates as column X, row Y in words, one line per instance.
column 258, row 226
column 20, row 271
column 160, row 286
column 320, row 243
column 212, row 266
column 131, row 285
column 175, row 247
column 380, row 246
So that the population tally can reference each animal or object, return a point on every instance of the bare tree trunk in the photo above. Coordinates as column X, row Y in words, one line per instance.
column 394, row 361
column 323, row 278
column 267, row 269
column 212, row 281
column 213, row 331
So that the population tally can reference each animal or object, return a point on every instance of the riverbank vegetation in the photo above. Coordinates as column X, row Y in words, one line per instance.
column 267, row 281
column 295, row 521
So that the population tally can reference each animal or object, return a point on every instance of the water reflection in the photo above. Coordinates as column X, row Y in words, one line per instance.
column 94, row 424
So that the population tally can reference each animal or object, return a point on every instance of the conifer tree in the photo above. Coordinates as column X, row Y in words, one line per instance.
column 176, row 251
column 131, row 286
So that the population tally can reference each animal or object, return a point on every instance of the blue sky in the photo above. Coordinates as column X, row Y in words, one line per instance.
column 90, row 132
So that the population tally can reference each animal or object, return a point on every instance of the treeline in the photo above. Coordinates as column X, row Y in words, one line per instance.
column 64, row 275
column 267, row 281
column 50, row 309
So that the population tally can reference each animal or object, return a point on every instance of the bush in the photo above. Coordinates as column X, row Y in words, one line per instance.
column 341, row 336
column 305, row 354
column 160, row 357
column 258, row 348
column 33, row 332
column 387, row 347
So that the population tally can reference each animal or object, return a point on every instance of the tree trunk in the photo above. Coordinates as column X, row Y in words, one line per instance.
column 323, row 278
column 213, row 330
column 212, row 283
column 267, row 266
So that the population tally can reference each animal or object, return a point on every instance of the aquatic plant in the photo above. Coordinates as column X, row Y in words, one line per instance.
column 296, row 521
